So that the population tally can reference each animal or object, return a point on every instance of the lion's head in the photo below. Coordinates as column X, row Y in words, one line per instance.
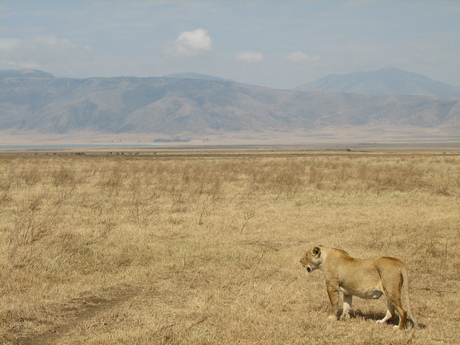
column 312, row 260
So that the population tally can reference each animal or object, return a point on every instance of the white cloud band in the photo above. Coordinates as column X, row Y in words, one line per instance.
column 301, row 57
column 41, row 52
column 251, row 57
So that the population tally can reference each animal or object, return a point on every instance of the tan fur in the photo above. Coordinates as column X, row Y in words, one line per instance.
column 367, row 279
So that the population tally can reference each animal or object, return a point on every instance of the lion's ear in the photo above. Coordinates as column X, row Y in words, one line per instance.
column 316, row 251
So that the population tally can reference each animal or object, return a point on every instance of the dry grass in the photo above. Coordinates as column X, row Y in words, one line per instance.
column 190, row 249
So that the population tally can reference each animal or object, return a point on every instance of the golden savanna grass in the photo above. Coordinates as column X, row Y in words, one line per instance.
column 204, row 248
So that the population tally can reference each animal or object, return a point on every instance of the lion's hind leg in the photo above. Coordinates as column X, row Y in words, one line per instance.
column 392, row 281
column 390, row 312
column 402, row 316
column 393, row 294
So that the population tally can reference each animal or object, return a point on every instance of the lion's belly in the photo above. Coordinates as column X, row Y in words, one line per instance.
column 366, row 294
column 360, row 278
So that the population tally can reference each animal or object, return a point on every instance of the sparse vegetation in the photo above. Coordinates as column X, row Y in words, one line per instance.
column 204, row 249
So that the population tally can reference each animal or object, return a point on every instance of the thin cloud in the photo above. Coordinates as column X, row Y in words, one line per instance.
column 9, row 44
column 193, row 43
column 251, row 57
column 41, row 52
column 297, row 57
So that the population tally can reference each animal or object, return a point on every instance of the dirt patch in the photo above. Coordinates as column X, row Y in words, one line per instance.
column 73, row 313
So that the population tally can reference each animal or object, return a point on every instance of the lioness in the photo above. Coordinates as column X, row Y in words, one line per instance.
column 363, row 278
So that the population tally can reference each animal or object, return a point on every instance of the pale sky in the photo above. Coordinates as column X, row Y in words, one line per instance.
column 278, row 43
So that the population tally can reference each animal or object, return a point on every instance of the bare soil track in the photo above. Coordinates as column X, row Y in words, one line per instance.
column 77, row 311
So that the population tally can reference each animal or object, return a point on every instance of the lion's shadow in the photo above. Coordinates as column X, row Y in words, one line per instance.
column 378, row 316
column 373, row 316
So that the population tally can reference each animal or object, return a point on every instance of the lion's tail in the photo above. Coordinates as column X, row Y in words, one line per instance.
column 405, row 291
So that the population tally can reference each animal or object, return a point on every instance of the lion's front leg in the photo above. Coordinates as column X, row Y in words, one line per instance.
column 333, row 292
column 347, row 300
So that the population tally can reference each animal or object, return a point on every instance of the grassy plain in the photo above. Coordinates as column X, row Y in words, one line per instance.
column 203, row 248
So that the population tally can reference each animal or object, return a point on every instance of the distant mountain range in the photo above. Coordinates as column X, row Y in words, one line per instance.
column 385, row 81
column 197, row 107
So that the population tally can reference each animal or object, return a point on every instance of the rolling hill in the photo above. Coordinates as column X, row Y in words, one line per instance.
column 385, row 81
column 195, row 76
column 37, row 103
